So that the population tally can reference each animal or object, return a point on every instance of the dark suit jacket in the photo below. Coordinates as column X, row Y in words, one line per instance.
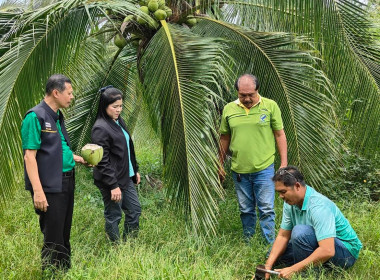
column 113, row 170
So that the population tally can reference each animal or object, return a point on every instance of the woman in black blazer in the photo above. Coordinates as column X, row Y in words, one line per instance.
column 117, row 172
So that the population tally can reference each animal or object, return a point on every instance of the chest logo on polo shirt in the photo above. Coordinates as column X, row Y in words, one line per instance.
column 264, row 120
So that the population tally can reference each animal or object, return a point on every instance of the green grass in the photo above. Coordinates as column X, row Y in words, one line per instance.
column 166, row 248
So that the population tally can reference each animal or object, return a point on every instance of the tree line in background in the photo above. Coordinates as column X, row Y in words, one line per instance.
column 319, row 59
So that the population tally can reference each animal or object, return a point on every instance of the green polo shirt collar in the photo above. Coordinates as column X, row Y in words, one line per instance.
column 237, row 101
column 306, row 198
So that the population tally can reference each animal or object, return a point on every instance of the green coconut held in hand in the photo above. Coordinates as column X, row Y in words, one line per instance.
column 92, row 153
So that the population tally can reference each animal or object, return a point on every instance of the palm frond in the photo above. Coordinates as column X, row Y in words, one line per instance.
column 6, row 23
column 23, row 74
column 359, row 89
column 287, row 76
column 176, row 65
column 119, row 71
column 349, row 52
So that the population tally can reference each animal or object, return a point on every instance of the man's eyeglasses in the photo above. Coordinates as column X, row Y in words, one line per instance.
column 283, row 171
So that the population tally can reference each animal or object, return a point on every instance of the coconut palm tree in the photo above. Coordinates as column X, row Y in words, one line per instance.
column 316, row 58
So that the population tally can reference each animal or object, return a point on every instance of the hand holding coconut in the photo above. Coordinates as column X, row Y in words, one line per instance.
column 79, row 159
column 91, row 154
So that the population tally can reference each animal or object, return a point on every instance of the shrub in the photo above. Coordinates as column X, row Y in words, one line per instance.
column 359, row 176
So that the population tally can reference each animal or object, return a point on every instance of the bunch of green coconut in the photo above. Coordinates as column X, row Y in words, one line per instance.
column 155, row 11
column 155, row 8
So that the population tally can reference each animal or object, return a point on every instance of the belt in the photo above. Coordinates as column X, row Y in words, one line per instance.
column 68, row 173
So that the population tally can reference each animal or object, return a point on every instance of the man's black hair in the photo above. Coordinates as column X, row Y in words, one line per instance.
column 289, row 176
column 56, row 81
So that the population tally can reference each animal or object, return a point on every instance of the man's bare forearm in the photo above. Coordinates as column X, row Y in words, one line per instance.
column 224, row 145
column 39, row 197
column 282, row 146
column 32, row 170
column 278, row 248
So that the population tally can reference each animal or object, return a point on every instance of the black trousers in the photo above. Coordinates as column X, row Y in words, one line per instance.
column 131, row 207
column 55, row 225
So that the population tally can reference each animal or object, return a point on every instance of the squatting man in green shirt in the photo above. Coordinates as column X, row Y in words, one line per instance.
column 313, row 229
column 249, row 128
column 49, row 170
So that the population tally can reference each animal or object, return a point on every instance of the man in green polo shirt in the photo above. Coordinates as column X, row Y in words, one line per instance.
column 249, row 128
column 313, row 229
column 49, row 170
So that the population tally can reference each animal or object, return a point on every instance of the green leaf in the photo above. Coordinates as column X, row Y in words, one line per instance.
column 176, row 65
column 23, row 74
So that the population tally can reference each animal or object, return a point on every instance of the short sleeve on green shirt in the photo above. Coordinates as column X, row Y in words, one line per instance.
column 31, row 132
column 322, row 217
column 286, row 222
column 224, row 127
column 276, row 120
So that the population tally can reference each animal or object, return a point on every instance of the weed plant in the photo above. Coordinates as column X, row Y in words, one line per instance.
column 166, row 247
column 358, row 178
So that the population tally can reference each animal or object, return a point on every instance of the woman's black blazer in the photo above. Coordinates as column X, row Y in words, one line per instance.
column 113, row 170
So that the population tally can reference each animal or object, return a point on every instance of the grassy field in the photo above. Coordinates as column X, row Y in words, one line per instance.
column 166, row 248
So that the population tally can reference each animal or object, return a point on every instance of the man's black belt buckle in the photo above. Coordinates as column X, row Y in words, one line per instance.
column 68, row 173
